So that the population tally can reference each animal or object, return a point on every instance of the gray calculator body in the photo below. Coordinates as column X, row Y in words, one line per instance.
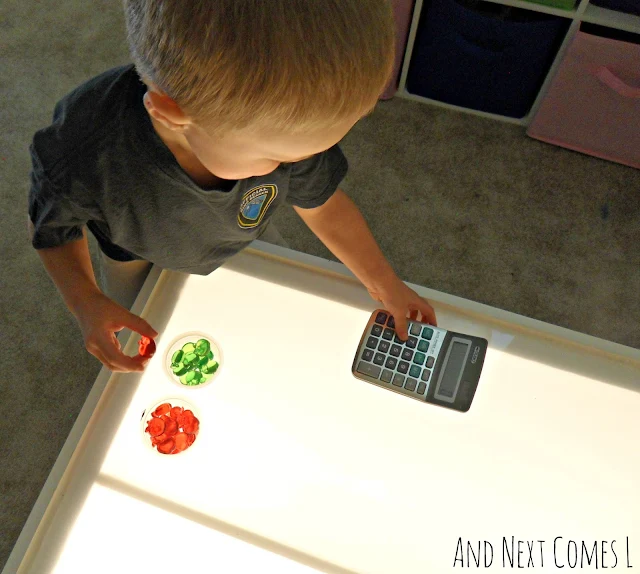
column 434, row 365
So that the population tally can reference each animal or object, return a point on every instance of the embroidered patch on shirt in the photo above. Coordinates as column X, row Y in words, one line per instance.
column 254, row 205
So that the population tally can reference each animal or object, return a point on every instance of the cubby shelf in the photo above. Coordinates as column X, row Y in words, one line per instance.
column 583, row 12
column 611, row 19
column 535, row 7
column 409, row 96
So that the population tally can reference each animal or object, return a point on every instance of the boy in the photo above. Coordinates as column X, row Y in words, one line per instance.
column 234, row 107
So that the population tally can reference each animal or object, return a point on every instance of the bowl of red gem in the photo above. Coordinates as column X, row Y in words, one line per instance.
column 170, row 427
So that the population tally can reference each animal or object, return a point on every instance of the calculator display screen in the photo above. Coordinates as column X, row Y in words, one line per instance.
column 453, row 369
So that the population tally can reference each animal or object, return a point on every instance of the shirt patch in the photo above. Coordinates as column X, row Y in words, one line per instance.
column 254, row 205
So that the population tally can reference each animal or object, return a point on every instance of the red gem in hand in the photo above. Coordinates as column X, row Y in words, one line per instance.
column 146, row 347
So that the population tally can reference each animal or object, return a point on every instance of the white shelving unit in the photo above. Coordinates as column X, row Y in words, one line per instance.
column 611, row 19
column 584, row 12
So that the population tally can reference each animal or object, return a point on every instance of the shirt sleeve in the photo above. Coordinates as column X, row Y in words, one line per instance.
column 314, row 180
column 56, row 219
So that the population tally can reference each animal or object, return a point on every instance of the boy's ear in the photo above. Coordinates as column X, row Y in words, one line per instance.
column 165, row 110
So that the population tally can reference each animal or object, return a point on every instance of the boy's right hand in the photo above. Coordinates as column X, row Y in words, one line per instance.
column 100, row 319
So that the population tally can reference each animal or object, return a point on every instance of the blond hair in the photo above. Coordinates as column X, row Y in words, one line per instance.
column 283, row 64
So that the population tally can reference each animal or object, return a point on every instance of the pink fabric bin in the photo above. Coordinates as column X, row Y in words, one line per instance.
column 593, row 103
column 402, row 11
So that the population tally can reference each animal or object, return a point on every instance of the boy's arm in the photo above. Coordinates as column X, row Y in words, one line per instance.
column 339, row 224
column 69, row 266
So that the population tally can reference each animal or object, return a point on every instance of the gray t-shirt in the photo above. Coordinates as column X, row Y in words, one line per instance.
column 101, row 164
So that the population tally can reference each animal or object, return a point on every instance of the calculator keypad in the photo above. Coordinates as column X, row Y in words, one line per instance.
column 393, row 361
column 434, row 365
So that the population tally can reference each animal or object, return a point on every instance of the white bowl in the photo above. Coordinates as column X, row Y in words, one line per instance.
column 197, row 358
column 147, row 415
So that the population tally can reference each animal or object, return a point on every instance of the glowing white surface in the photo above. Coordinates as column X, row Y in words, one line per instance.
column 171, row 543
column 298, row 456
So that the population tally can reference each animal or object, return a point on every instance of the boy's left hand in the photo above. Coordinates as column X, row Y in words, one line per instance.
column 401, row 301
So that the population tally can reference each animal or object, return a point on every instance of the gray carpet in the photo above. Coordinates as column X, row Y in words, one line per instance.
column 460, row 204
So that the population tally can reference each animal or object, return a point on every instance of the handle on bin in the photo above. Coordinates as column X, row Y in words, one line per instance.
column 608, row 78
column 472, row 45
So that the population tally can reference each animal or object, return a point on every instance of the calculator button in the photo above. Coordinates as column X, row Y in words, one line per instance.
column 368, row 369
column 391, row 323
column 410, row 385
column 427, row 333
column 395, row 350
column 412, row 342
column 376, row 330
column 391, row 363
column 379, row 359
column 407, row 354
column 388, row 334
column 403, row 367
column 419, row 358
column 422, row 387
column 386, row 376
column 381, row 318
column 398, row 340
column 430, row 362
column 367, row 355
column 425, row 375
column 423, row 346
column 398, row 380
column 372, row 342
column 415, row 329
column 414, row 371
column 383, row 347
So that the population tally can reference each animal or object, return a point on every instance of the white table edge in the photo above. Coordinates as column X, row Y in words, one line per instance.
column 467, row 307
column 39, row 509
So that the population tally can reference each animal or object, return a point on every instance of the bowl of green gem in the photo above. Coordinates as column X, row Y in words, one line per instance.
column 193, row 360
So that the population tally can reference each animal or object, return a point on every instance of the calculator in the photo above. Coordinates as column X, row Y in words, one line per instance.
column 433, row 365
